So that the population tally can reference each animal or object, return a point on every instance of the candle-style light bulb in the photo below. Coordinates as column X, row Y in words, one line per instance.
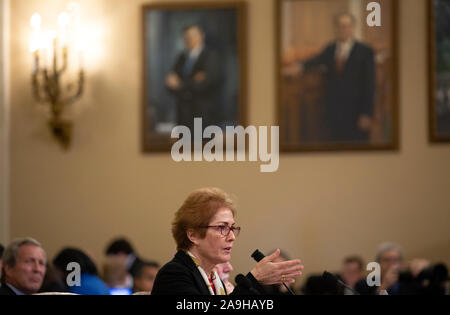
column 35, row 45
column 63, row 23
column 52, row 35
column 63, row 19
column 36, row 21
column 81, row 47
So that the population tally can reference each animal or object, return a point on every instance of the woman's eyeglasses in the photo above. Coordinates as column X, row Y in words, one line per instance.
column 225, row 229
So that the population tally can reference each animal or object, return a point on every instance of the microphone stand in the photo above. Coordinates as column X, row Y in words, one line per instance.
column 258, row 256
column 329, row 277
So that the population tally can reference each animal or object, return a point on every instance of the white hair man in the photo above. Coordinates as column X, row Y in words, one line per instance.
column 24, row 267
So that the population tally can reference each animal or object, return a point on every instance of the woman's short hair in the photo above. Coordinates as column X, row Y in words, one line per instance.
column 196, row 212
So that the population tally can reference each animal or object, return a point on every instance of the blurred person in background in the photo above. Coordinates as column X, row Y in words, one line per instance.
column 145, row 276
column 116, row 276
column 90, row 283
column 352, row 272
column 52, row 281
column 397, row 278
column 24, row 266
column 223, row 270
column 121, row 247
column 390, row 258
column 430, row 279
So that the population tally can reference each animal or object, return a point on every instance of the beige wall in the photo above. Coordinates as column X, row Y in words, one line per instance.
column 317, row 206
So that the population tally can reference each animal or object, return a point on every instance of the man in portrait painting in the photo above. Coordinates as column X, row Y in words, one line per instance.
column 195, row 80
column 348, row 69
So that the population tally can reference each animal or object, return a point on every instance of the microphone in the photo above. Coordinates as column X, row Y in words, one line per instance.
column 258, row 256
column 246, row 283
column 331, row 278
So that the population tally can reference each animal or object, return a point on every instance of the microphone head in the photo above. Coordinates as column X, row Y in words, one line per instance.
column 257, row 255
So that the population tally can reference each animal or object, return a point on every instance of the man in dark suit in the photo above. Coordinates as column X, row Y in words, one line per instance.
column 195, row 80
column 349, row 83
column 24, row 267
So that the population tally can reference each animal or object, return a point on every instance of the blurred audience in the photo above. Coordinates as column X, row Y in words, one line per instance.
column 390, row 258
column 121, row 247
column 145, row 276
column 24, row 266
column 24, row 270
column 90, row 283
column 433, row 280
column 223, row 270
column 419, row 277
column 352, row 271
column 416, row 278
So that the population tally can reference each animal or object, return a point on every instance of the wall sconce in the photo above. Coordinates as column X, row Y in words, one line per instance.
column 51, row 62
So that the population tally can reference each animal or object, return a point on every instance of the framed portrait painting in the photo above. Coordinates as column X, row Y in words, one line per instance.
column 439, row 70
column 194, row 66
column 337, row 75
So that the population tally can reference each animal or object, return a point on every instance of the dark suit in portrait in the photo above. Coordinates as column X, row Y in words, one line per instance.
column 349, row 90
column 200, row 86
